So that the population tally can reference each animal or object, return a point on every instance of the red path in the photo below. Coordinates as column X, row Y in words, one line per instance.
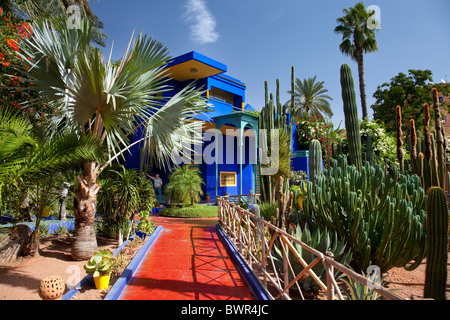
column 187, row 262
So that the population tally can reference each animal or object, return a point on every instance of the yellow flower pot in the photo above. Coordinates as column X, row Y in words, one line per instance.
column 102, row 281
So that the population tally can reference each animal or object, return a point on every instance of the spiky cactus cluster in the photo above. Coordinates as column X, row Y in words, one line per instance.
column 380, row 215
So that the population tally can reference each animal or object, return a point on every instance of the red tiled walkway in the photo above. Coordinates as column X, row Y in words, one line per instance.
column 187, row 262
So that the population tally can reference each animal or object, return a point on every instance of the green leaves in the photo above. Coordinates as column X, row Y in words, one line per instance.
column 185, row 185
column 101, row 263
column 29, row 150
column 109, row 100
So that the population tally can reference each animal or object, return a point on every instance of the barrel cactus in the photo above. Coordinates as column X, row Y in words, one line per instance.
column 437, row 225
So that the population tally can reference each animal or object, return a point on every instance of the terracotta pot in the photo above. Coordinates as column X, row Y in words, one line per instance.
column 52, row 288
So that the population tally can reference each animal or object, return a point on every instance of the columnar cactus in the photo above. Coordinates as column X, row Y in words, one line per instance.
column 436, row 244
column 315, row 159
column 379, row 214
column 440, row 139
column 413, row 146
column 272, row 116
column 399, row 134
column 351, row 116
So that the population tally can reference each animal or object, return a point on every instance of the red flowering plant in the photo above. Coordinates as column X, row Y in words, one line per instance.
column 317, row 127
column 12, row 86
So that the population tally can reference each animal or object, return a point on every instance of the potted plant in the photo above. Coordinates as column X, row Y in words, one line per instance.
column 145, row 225
column 207, row 197
column 100, row 266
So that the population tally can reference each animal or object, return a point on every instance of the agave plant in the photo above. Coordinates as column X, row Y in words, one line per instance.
column 110, row 101
column 321, row 240
column 355, row 290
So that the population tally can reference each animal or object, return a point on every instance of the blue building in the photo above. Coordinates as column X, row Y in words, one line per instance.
column 228, row 157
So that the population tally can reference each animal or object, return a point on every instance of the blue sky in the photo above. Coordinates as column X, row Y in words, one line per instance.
column 261, row 40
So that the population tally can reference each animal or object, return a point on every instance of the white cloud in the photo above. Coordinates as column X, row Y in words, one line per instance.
column 202, row 22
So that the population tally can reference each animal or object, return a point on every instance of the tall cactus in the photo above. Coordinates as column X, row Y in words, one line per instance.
column 399, row 135
column 380, row 215
column 436, row 244
column 413, row 146
column 273, row 116
column 440, row 140
column 351, row 116
column 315, row 159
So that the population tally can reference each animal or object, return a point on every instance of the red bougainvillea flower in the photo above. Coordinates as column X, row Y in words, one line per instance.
column 12, row 44
column 5, row 63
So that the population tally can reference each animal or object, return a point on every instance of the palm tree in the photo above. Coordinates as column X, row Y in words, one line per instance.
column 185, row 185
column 27, row 153
column 310, row 97
column 357, row 39
column 109, row 101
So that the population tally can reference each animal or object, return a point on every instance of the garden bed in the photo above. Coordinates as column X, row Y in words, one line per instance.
column 123, row 258
column 21, row 281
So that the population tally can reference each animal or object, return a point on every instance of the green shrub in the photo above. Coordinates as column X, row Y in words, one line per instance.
column 194, row 211
column 268, row 209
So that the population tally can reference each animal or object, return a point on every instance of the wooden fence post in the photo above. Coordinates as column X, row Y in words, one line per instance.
column 330, row 286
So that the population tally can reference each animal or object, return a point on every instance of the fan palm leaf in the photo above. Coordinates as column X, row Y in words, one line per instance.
column 110, row 102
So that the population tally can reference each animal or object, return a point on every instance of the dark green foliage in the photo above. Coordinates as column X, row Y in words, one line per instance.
column 410, row 92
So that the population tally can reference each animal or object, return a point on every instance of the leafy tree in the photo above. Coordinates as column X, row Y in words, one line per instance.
column 357, row 39
column 185, row 185
column 109, row 101
column 46, row 9
column 410, row 92
column 310, row 98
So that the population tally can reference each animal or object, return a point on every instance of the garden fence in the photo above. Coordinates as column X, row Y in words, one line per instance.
column 254, row 238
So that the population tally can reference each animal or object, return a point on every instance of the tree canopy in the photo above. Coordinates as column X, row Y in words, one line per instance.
column 409, row 91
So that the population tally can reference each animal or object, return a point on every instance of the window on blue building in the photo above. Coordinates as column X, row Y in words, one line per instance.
column 221, row 95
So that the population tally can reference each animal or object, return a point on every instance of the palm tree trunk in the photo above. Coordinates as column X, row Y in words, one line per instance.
column 85, row 242
column 362, row 85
